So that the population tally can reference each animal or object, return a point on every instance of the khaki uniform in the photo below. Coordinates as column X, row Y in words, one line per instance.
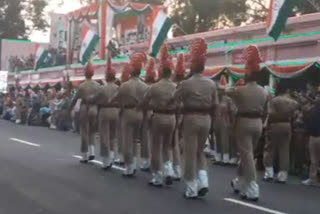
column 162, row 127
column 279, row 135
column 222, row 125
column 251, row 102
column 176, row 144
column 88, row 114
column 107, row 122
column 198, row 96
column 146, row 140
column 129, row 95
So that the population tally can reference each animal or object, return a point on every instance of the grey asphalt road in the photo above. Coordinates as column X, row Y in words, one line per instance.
column 40, row 175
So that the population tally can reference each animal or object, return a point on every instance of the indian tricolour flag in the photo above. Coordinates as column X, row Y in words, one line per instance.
column 40, row 56
column 278, row 15
column 160, row 28
column 89, row 40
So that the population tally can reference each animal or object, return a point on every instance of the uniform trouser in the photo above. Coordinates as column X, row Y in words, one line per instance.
column 108, row 129
column 314, row 149
column 162, row 130
column 195, row 131
column 232, row 143
column 176, row 156
column 279, row 137
column 88, row 115
column 222, row 137
column 248, row 132
column 298, row 152
column 177, row 142
column 146, row 136
column 120, row 135
column 131, row 123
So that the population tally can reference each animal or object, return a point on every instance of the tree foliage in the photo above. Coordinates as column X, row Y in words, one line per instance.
column 19, row 17
column 203, row 15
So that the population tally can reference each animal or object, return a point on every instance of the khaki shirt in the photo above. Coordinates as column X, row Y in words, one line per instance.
column 283, row 105
column 225, row 110
column 105, row 93
column 197, row 92
column 159, row 95
column 250, row 98
column 131, row 92
column 86, row 89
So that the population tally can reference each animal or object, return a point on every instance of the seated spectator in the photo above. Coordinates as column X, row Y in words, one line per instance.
column 34, row 115
column 8, row 108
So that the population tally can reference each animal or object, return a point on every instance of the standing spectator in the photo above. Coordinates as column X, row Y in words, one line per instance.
column 313, row 129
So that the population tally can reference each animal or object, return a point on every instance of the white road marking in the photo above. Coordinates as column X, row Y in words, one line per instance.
column 25, row 142
column 253, row 206
column 100, row 163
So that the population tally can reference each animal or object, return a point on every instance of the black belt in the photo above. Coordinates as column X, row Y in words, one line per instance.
column 279, row 118
column 164, row 111
column 250, row 115
column 108, row 106
column 129, row 107
column 196, row 111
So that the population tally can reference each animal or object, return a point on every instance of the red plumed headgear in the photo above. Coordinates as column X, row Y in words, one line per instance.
column 150, row 70
column 253, row 58
column 89, row 69
column 110, row 71
column 137, row 60
column 180, row 68
column 240, row 83
column 125, row 76
column 223, row 82
column 198, row 51
column 165, row 58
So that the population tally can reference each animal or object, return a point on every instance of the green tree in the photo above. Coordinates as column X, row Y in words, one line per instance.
column 19, row 17
column 258, row 9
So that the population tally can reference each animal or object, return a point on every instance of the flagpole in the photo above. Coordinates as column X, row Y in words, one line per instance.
column 68, row 58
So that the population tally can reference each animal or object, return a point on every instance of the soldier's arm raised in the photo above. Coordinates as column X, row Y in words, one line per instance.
column 146, row 99
column 74, row 100
column 93, row 99
column 177, row 96
column 116, row 99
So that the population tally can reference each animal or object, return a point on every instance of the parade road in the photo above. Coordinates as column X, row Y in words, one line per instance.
column 40, row 173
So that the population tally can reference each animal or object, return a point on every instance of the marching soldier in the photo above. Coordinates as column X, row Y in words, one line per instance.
column 125, row 76
column 281, row 109
column 177, row 138
column 251, row 102
column 222, row 123
column 88, row 114
column 198, row 96
column 108, row 117
column 146, row 132
column 163, row 121
column 129, row 96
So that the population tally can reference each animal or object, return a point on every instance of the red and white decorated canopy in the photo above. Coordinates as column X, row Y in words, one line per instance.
column 91, row 11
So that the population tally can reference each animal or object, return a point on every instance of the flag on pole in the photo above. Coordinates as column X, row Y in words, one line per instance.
column 160, row 28
column 279, row 11
column 89, row 40
column 40, row 56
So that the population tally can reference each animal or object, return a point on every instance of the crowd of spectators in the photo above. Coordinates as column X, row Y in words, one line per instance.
column 55, row 57
column 47, row 108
